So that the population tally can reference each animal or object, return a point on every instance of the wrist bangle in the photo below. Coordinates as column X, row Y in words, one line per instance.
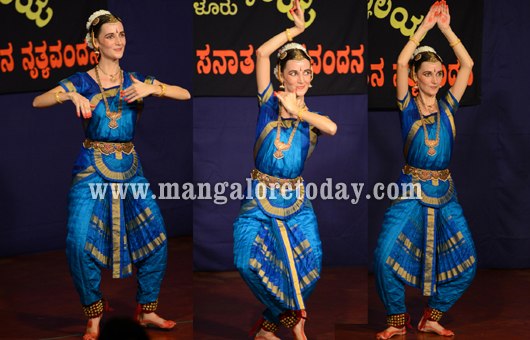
column 300, row 112
column 57, row 99
column 288, row 34
column 414, row 41
column 162, row 90
column 453, row 44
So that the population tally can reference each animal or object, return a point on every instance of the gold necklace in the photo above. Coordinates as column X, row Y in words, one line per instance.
column 113, row 116
column 281, row 146
column 112, row 76
column 431, row 143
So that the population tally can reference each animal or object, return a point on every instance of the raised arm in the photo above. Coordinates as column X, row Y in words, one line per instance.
column 466, row 63
column 402, row 72
column 263, row 64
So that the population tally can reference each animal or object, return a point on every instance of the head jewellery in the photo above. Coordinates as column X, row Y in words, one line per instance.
column 423, row 49
column 282, row 54
column 92, row 21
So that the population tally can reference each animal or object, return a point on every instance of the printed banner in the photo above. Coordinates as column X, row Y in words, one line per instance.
column 391, row 23
column 228, row 32
column 43, row 42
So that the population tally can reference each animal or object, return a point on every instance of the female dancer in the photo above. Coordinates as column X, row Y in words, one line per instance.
column 112, row 231
column 425, row 241
column 276, row 243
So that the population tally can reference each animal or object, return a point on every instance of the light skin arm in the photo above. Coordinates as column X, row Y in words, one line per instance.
column 139, row 90
column 291, row 105
column 58, row 95
column 466, row 62
column 263, row 53
column 402, row 72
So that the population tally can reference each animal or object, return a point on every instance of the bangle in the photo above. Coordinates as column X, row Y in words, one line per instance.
column 288, row 34
column 162, row 91
column 453, row 44
column 299, row 114
column 57, row 99
column 414, row 41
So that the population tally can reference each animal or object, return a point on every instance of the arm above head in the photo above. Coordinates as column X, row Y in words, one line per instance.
column 264, row 52
column 466, row 62
column 402, row 71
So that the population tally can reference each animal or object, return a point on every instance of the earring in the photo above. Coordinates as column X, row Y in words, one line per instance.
column 415, row 86
column 281, row 86
column 310, row 85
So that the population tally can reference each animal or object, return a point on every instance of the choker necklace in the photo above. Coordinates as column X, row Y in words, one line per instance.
column 430, row 143
column 113, row 116
column 281, row 146
column 111, row 76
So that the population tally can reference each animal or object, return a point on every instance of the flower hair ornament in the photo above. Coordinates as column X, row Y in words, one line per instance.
column 422, row 49
column 282, row 54
column 94, row 20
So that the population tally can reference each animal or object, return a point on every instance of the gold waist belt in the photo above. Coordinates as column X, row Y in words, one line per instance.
column 276, row 182
column 109, row 147
column 426, row 175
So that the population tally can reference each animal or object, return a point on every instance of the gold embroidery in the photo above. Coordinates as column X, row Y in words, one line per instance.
column 429, row 286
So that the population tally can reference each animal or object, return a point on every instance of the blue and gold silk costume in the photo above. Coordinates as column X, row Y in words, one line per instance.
column 112, row 231
column 277, row 248
column 425, row 241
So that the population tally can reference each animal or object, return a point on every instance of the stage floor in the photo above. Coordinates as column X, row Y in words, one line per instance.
column 38, row 301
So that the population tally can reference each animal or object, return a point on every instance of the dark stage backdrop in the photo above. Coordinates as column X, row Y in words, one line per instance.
column 227, row 34
column 391, row 23
column 491, row 159
column 40, row 145
column 223, row 134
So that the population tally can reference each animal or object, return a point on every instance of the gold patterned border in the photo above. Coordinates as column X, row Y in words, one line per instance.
column 429, row 287
column 141, row 218
column 407, row 243
column 149, row 247
column 277, row 211
column 272, row 287
column 450, row 243
column 83, row 174
column 69, row 85
column 115, row 175
column 266, row 96
column 292, row 266
column 116, row 235
column 411, row 279
column 457, row 270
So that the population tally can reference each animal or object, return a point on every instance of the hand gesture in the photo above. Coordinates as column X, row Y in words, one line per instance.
column 138, row 90
column 298, row 15
column 444, row 18
column 432, row 16
column 289, row 102
column 82, row 105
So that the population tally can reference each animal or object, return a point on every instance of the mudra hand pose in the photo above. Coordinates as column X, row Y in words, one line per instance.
column 112, row 232
column 425, row 241
column 277, row 248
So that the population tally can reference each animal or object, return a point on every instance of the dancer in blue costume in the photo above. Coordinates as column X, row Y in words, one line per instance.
column 425, row 241
column 111, row 231
column 277, row 248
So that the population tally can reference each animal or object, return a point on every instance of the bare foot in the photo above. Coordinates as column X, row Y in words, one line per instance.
column 390, row 332
column 434, row 327
column 92, row 328
column 264, row 335
column 298, row 329
column 152, row 319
